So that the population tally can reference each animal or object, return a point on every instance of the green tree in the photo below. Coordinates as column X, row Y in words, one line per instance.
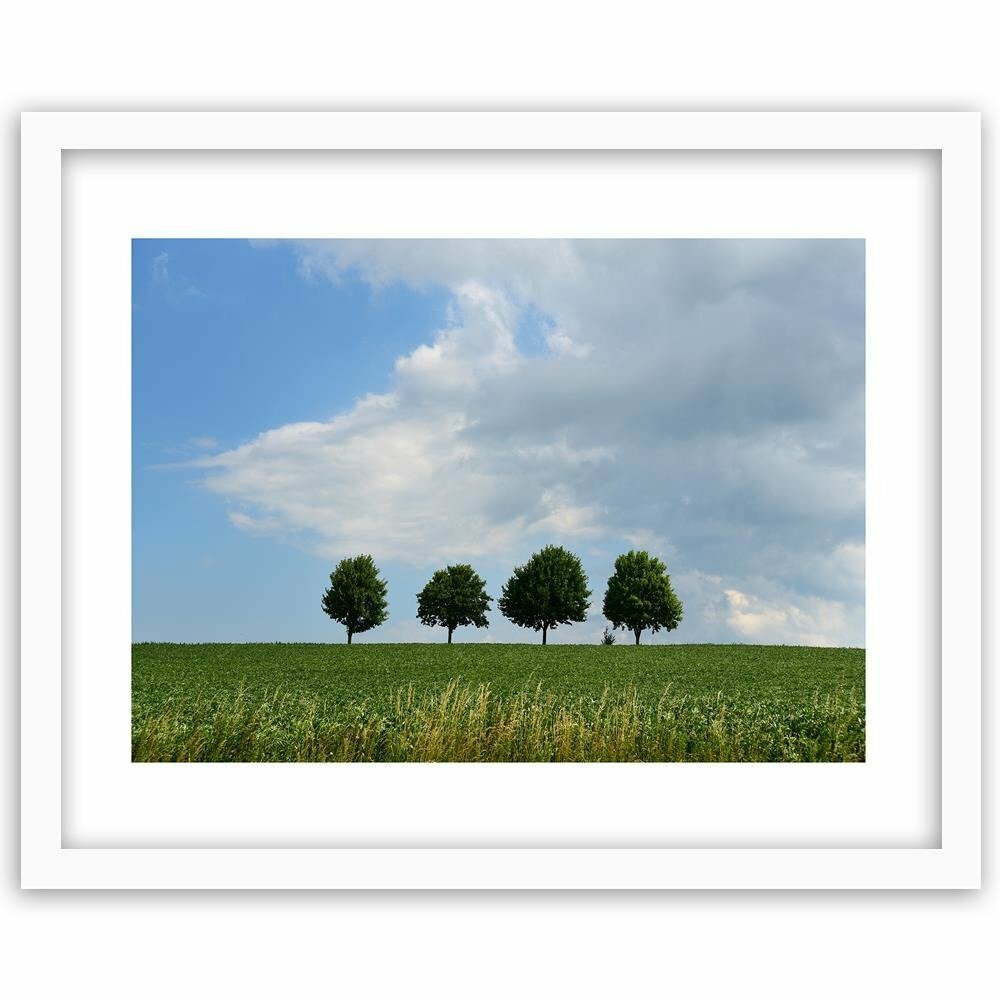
column 452, row 597
column 639, row 595
column 549, row 590
column 356, row 595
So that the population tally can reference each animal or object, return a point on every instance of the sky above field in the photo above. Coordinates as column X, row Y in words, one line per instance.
column 442, row 401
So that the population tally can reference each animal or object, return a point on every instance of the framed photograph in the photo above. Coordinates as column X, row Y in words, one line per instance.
column 531, row 500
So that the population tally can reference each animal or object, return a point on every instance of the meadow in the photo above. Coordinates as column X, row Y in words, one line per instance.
column 499, row 703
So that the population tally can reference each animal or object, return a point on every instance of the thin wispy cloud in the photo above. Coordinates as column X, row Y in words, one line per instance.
column 171, row 284
column 161, row 268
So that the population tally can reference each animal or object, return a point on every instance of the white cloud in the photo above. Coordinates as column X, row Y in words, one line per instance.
column 820, row 623
column 255, row 525
column 478, row 341
column 398, row 476
column 564, row 346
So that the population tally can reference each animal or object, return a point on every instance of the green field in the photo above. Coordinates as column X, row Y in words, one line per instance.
column 485, row 702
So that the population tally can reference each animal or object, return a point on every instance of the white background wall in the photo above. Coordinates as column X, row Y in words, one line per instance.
column 708, row 55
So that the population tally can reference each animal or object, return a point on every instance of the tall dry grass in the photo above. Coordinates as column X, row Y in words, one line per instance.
column 470, row 722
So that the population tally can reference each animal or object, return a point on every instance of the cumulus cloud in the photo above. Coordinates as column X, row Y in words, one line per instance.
column 820, row 623
column 401, row 474
column 560, row 344
column 703, row 399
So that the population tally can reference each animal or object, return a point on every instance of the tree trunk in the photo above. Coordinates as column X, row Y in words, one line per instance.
column 545, row 630
column 450, row 630
column 638, row 632
column 349, row 633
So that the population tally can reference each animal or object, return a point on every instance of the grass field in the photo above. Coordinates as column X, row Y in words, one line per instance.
column 484, row 702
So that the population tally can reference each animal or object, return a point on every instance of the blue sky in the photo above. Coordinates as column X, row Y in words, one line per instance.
column 441, row 401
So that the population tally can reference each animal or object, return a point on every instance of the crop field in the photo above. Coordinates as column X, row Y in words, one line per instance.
column 485, row 702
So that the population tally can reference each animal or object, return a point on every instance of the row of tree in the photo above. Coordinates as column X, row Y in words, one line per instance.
column 549, row 590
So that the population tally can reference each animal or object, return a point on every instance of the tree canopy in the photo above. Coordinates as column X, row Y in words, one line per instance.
column 454, row 596
column 639, row 595
column 356, row 595
column 549, row 590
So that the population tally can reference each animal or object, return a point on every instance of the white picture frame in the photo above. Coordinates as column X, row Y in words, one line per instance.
column 49, row 861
